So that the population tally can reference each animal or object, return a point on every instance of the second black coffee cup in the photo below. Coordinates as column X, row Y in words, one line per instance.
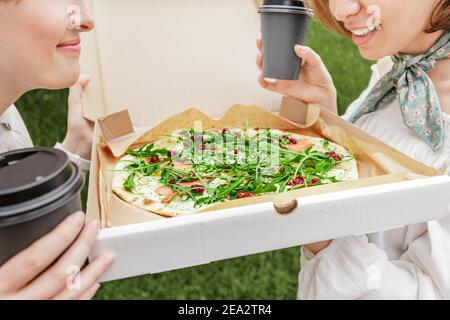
column 284, row 23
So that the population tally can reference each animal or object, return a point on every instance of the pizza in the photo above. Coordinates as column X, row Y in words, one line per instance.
column 191, row 170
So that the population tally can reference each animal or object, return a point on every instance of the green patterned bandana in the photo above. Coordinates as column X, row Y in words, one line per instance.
column 408, row 81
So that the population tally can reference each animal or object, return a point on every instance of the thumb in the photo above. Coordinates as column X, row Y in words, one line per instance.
column 308, row 56
column 76, row 90
column 75, row 95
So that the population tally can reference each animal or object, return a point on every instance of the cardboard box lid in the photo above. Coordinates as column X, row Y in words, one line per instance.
column 157, row 58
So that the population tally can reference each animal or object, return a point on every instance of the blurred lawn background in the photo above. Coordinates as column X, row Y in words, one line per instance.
column 265, row 276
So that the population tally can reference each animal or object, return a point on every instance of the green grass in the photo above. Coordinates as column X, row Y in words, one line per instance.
column 265, row 276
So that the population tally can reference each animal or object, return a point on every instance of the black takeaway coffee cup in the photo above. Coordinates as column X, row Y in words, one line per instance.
column 39, row 188
column 284, row 23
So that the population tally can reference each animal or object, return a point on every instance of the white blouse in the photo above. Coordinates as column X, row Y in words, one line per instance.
column 407, row 263
column 14, row 135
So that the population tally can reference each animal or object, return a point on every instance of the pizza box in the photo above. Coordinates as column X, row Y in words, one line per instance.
column 158, row 58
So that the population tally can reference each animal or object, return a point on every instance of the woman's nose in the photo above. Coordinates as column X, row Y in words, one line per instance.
column 343, row 9
column 87, row 20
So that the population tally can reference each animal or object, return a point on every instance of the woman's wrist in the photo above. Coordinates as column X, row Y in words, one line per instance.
column 83, row 163
column 76, row 147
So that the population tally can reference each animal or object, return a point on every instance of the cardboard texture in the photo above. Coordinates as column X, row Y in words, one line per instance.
column 116, row 126
column 179, row 63
column 389, row 195
column 172, row 55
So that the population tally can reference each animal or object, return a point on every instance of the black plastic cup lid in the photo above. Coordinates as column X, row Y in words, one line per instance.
column 283, row 9
column 288, row 3
column 285, row 6
column 29, row 174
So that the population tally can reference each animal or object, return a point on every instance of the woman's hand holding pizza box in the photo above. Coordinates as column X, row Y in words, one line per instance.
column 79, row 129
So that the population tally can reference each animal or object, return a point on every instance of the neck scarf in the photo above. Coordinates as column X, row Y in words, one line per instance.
column 409, row 83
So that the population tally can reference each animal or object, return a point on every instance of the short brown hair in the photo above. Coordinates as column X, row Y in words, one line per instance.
column 440, row 19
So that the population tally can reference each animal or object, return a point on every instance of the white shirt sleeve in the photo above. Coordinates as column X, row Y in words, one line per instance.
column 83, row 164
column 13, row 132
column 353, row 268
column 14, row 135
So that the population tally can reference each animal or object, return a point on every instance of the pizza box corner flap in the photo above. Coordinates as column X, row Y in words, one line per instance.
column 296, row 111
column 116, row 125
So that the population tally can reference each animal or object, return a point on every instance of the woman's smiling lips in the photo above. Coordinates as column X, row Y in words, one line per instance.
column 71, row 46
column 362, row 35
column 363, row 40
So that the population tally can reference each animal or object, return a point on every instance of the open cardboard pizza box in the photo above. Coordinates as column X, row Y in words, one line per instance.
column 159, row 58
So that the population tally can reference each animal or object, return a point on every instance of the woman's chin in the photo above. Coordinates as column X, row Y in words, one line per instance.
column 63, row 80
column 72, row 79
column 372, row 54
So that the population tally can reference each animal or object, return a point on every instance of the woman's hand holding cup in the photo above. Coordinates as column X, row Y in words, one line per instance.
column 315, row 84
column 51, row 268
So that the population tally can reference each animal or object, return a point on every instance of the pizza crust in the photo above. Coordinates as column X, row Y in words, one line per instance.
column 141, row 203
